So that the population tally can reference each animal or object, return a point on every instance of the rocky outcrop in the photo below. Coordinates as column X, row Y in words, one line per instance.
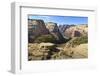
column 76, row 31
column 62, row 28
column 42, row 51
column 54, row 30
column 77, row 47
column 80, row 51
column 36, row 28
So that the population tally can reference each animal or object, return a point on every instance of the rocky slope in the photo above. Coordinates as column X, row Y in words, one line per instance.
column 81, row 51
column 41, row 51
column 77, row 47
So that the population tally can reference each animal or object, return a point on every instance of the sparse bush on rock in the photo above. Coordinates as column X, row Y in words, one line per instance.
column 80, row 40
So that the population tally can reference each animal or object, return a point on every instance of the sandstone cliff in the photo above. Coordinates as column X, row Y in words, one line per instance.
column 54, row 30
column 36, row 28
column 62, row 28
column 76, row 31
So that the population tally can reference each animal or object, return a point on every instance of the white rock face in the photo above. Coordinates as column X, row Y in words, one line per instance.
column 76, row 31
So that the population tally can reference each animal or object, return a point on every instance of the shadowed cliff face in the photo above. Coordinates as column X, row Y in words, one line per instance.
column 62, row 28
column 54, row 30
column 36, row 28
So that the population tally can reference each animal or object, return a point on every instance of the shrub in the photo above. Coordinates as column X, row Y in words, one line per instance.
column 80, row 40
column 45, row 38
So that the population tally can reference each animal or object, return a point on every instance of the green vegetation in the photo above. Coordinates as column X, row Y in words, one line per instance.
column 50, row 38
column 80, row 40
column 45, row 38
column 61, row 41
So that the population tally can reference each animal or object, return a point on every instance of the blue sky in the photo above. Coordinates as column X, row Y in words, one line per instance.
column 61, row 19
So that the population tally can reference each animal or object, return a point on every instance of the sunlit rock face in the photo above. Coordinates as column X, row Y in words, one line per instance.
column 36, row 28
column 76, row 31
column 63, row 27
